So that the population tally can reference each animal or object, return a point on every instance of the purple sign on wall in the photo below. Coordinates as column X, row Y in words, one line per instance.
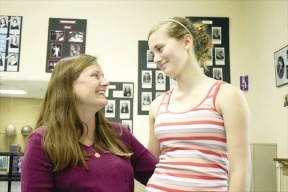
column 244, row 83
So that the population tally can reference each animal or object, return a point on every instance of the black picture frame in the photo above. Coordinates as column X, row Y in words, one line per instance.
column 281, row 66
column 120, row 103
column 66, row 37
column 10, row 42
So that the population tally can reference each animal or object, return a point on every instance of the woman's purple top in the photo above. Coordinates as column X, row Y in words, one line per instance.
column 109, row 173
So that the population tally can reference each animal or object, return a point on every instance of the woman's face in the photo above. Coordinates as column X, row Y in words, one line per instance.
column 127, row 88
column 124, row 105
column 146, row 75
column 14, row 39
column 3, row 21
column 169, row 53
column 12, row 58
column 90, row 88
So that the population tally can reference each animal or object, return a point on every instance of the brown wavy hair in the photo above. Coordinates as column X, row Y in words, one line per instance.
column 202, row 40
column 63, row 125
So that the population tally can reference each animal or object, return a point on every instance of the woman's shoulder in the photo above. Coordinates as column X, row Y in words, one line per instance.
column 38, row 132
column 228, row 90
column 121, row 131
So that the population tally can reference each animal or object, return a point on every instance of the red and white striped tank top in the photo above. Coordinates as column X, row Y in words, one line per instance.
column 193, row 148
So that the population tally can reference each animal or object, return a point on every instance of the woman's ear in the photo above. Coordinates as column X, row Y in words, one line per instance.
column 188, row 41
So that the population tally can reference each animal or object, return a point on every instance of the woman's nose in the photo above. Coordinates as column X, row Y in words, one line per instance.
column 105, row 82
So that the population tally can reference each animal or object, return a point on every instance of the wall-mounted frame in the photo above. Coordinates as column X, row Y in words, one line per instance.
column 66, row 37
column 152, row 82
column 219, row 62
column 10, row 42
column 120, row 103
column 281, row 66
column 149, row 85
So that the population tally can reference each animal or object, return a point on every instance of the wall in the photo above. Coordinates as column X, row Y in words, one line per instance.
column 257, row 29
column 265, row 33
column 113, row 31
column 19, row 112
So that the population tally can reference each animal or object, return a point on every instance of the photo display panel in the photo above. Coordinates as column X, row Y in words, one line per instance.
column 219, row 60
column 66, row 37
column 120, row 103
column 10, row 42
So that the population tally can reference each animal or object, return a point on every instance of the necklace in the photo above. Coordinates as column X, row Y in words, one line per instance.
column 96, row 154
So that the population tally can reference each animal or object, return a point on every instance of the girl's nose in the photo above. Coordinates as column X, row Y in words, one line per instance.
column 157, row 59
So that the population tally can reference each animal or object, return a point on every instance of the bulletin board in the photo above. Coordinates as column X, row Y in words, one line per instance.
column 152, row 82
column 149, row 87
column 10, row 42
column 219, row 60
column 66, row 37
column 120, row 103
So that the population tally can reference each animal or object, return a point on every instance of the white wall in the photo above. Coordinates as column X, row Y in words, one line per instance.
column 113, row 31
column 266, row 31
column 257, row 29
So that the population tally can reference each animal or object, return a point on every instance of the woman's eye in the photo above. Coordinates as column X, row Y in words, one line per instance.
column 95, row 75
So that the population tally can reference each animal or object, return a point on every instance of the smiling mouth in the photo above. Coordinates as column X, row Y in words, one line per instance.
column 161, row 66
column 101, row 92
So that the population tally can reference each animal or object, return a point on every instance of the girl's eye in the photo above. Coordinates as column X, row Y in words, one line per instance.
column 159, row 49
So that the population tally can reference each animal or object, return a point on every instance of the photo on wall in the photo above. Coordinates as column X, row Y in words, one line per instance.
column 66, row 37
column 281, row 66
column 119, row 108
column 10, row 42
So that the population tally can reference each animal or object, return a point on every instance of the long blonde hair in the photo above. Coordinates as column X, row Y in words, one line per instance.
column 63, row 126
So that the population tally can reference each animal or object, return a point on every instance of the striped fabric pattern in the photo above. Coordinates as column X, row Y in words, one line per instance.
column 193, row 148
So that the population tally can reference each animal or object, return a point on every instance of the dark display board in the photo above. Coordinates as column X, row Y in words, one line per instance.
column 120, row 103
column 10, row 42
column 219, row 62
column 66, row 37
column 149, row 83
column 152, row 82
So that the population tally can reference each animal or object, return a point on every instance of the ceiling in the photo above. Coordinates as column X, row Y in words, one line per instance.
column 35, row 88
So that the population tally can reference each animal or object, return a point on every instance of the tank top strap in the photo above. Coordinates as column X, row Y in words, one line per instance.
column 214, row 91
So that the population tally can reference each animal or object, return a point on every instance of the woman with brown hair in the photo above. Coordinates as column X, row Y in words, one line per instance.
column 74, row 148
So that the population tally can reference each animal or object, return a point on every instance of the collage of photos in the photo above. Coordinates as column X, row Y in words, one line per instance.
column 151, row 80
column 120, row 104
column 66, row 38
column 10, row 41
column 219, row 59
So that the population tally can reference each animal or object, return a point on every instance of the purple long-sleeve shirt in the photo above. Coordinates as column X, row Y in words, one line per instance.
column 108, row 173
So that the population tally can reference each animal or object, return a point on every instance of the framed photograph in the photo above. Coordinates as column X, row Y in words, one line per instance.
column 10, row 42
column 66, row 37
column 4, row 164
column 281, row 66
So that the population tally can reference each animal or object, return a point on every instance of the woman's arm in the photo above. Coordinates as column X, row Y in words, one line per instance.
column 36, row 169
column 234, row 108
column 142, row 161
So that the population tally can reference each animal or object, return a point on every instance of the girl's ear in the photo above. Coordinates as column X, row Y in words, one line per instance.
column 188, row 41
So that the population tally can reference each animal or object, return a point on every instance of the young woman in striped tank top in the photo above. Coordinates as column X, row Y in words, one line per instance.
column 199, row 130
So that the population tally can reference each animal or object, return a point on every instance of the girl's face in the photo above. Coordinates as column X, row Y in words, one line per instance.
column 169, row 53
